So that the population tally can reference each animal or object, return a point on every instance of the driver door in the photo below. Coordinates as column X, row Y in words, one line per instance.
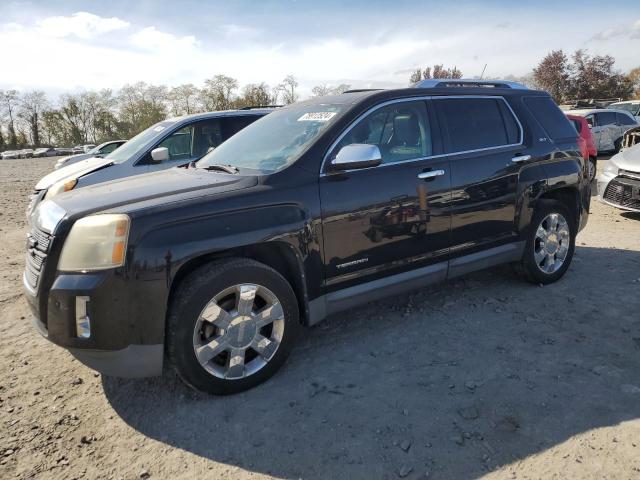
column 383, row 220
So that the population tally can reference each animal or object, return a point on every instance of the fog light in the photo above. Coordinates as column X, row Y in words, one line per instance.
column 83, row 324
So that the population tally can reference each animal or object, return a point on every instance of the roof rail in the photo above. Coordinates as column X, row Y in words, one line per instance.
column 463, row 82
column 358, row 90
column 252, row 107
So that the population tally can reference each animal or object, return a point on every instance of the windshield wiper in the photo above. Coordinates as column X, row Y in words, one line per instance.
column 222, row 168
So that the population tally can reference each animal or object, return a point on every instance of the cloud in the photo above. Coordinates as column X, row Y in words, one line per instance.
column 630, row 30
column 80, row 24
column 150, row 38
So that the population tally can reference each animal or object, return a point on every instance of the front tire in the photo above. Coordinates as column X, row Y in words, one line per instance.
column 550, row 243
column 231, row 326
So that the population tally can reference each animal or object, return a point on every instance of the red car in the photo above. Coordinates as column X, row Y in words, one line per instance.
column 587, row 145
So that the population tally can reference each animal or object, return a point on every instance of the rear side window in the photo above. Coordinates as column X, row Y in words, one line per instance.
column 577, row 125
column 477, row 123
column 554, row 122
column 606, row 118
column 625, row 119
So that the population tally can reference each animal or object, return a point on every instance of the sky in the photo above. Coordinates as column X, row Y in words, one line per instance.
column 70, row 46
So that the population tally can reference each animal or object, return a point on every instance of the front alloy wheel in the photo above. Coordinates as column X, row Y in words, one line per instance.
column 231, row 325
column 239, row 331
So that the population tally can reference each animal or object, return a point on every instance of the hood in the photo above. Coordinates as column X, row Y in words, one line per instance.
column 75, row 170
column 628, row 159
column 164, row 186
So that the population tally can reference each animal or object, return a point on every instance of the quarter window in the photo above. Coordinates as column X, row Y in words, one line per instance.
column 625, row 119
column 477, row 123
column 400, row 130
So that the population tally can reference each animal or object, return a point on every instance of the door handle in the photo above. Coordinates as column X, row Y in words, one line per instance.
column 430, row 174
column 521, row 158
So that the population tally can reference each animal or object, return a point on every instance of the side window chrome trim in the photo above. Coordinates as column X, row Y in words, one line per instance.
column 323, row 173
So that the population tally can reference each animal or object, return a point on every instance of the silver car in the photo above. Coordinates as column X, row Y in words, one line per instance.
column 101, row 150
column 166, row 144
column 607, row 126
column 631, row 106
column 619, row 182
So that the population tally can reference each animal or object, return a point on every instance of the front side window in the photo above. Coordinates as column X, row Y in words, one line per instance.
column 401, row 132
column 477, row 123
column 277, row 140
column 140, row 142
column 179, row 144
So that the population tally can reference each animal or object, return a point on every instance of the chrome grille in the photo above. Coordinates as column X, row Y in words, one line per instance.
column 623, row 194
column 38, row 243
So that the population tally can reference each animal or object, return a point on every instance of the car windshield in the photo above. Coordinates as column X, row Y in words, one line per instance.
column 275, row 141
column 632, row 108
column 140, row 142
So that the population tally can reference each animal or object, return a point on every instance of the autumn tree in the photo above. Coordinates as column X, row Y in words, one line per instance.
column 184, row 99
column 254, row 94
column 634, row 78
column 218, row 92
column 437, row 71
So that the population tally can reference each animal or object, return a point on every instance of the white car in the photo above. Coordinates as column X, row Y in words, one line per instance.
column 619, row 182
column 631, row 106
column 607, row 125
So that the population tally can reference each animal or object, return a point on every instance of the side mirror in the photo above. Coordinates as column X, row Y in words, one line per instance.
column 357, row 155
column 160, row 154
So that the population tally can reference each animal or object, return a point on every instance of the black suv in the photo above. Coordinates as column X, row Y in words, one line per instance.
column 316, row 208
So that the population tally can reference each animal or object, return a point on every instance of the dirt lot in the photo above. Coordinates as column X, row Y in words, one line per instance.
column 484, row 376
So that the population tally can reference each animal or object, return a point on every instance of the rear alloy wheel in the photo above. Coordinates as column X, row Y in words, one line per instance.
column 231, row 326
column 550, row 243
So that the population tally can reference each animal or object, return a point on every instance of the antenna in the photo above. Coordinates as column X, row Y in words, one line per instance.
column 482, row 74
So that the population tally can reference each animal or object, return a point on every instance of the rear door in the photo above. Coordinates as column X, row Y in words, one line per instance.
column 482, row 138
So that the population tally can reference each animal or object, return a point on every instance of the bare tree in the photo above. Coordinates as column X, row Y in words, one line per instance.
column 9, row 104
column 323, row 90
column 288, row 89
column 255, row 94
column 30, row 109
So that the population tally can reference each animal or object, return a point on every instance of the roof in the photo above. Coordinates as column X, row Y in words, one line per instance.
column 589, row 111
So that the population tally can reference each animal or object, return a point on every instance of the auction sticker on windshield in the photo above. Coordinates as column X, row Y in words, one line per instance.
column 317, row 117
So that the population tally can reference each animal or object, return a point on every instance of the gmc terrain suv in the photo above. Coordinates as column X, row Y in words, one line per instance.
column 315, row 208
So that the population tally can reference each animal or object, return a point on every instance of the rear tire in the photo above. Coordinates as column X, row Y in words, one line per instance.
column 593, row 168
column 550, row 243
column 231, row 326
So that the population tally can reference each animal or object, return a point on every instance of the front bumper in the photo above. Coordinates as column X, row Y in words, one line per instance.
column 118, row 345
column 620, row 191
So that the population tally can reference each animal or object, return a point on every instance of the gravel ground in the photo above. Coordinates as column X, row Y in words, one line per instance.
column 486, row 376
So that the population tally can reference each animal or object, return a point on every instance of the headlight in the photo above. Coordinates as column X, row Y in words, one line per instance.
column 611, row 168
column 96, row 242
column 61, row 187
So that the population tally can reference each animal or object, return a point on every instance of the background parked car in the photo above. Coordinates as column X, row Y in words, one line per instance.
column 83, row 148
column 166, row 144
column 631, row 106
column 64, row 151
column 101, row 150
column 586, row 142
column 26, row 153
column 45, row 152
column 607, row 126
column 10, row 154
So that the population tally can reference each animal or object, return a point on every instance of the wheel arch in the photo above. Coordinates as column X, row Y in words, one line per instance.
column 279, row 255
